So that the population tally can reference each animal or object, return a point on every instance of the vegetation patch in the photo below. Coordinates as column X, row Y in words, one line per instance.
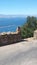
column 28, row 28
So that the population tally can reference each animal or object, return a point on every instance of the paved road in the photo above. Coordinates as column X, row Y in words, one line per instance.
column 23, row 53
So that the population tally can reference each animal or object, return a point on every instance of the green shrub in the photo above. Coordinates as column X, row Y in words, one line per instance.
column 28, row 28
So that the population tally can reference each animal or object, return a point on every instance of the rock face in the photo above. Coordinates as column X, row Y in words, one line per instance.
column 10, row 37
column 35, row 34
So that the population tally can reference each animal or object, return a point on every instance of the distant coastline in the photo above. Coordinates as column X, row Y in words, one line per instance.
column 12, row 16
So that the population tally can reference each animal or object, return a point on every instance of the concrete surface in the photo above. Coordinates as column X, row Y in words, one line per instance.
column 22, row 53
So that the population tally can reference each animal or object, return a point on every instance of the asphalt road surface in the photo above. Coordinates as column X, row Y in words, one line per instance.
column 22, row 53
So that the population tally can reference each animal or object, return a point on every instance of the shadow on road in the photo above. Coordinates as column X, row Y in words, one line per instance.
column 12, row 43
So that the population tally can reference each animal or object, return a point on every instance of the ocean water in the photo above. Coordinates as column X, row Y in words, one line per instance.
column 10, row 24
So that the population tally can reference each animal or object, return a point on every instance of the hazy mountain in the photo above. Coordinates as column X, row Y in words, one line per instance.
column 11, row 16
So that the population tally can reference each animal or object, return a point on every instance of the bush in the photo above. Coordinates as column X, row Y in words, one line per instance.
column 28, row 28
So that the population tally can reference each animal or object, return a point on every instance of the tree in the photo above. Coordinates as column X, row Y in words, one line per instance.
column 28, row 28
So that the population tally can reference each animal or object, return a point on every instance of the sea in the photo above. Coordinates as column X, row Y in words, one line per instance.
column 11, row 24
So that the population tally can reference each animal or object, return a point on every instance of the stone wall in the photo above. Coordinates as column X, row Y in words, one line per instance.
column 10, row 37
column 35, row 34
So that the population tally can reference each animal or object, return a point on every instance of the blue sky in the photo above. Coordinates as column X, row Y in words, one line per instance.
column 18, row 7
